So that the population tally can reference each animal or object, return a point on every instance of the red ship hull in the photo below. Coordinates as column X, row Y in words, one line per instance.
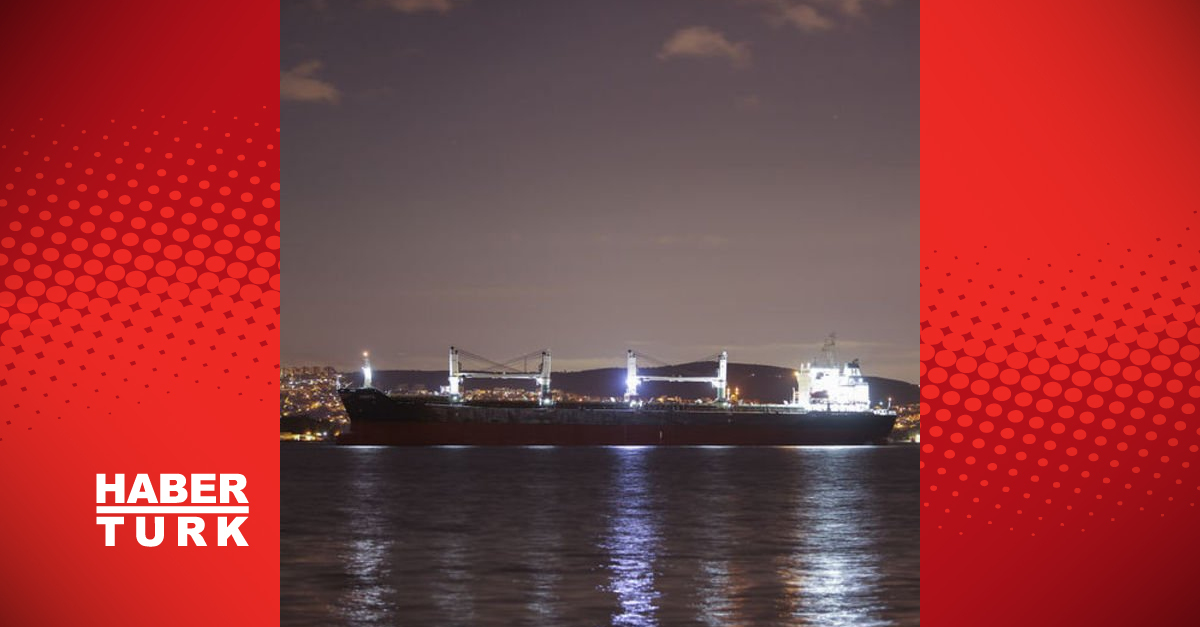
column 379, row 420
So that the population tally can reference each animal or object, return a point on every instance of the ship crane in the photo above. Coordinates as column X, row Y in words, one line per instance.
column 633, row 379
column 497, row 370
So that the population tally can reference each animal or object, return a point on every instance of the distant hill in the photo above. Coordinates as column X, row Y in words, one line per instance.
column 754, row 382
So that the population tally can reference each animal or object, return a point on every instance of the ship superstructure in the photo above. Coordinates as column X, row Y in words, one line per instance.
column 828, row 384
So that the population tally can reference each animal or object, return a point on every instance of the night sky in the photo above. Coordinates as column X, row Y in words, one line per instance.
column 672, row 176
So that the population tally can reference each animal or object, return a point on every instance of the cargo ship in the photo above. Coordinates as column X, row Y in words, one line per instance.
column 830, row 406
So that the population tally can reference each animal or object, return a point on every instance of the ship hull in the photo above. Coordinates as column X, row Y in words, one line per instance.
column 376, row 419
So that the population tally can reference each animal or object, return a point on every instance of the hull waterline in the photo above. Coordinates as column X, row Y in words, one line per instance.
column 377, row 419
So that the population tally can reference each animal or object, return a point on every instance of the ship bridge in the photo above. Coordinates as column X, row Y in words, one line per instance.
column 829, row 384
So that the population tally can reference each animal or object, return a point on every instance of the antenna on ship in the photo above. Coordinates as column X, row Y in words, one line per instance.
column 366, row 369
column 829, row 351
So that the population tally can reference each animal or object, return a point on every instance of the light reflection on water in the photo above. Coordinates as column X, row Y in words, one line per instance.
column 632, row 542
column 542, row 561
column 713, row 581
column 369, row 600
column 599, row 536
column 837, row 564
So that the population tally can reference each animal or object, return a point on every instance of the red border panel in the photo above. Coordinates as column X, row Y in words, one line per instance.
column 139, row 300
column 1059, row 295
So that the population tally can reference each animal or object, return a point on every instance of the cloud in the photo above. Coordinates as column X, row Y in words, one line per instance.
column 849, row 7
column 748, row 103
column 299, row 83
column 422, row 6
column 854, row 8
column 706, row 43
column 805, row 18
column 805, row 15
column 801, row 16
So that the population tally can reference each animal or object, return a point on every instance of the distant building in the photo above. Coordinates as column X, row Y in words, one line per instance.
column 311, row 391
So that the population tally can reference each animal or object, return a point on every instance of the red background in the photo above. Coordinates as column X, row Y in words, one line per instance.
column 139, row 303
column 1058, row 313
column 1059, row 158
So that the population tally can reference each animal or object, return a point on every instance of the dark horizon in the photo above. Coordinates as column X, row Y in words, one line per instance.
column 677, row 178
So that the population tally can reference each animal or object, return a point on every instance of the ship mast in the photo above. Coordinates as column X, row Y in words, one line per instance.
column 366, row 369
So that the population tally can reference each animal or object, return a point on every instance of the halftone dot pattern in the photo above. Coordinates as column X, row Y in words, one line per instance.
column 1060, row 397
column 138, row 254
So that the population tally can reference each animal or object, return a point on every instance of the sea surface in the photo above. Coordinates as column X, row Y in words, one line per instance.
column 599, row 536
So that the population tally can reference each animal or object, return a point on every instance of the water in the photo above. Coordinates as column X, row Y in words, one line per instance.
column 599, row 536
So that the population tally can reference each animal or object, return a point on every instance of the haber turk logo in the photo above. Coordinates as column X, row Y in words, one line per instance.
column 185, row 499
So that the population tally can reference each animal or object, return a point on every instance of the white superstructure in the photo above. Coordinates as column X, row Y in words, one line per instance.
column 828, row 384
